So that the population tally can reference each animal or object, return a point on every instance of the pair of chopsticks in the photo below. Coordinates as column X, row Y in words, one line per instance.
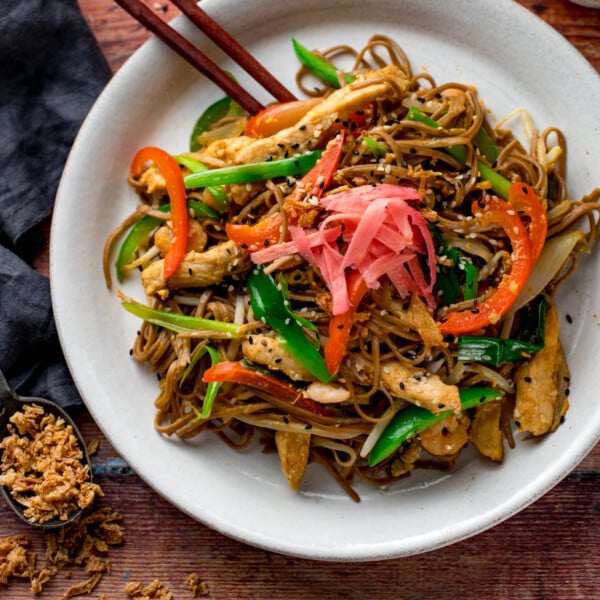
column 151, row 21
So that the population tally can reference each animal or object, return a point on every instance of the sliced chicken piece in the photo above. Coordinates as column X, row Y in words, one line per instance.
column 485, row 430
column 447, row 437
column 420, row 387
column 198, row 269
column 307, row 134
column 267, row 351
column 327, row 393
column 417, row 317
column 153, row 181
column 542, row 383
column 196, row 238
column 293, row 449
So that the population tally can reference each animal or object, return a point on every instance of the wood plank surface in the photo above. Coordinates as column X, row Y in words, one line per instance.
column 549, row 550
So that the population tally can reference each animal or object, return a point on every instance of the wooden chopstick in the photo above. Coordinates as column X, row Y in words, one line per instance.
column 144, row 15
column 234, row 49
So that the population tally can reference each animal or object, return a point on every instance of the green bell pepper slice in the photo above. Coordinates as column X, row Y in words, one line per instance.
column 140, row 233
column 269, row 304
column 318, row 66
column 411, row 421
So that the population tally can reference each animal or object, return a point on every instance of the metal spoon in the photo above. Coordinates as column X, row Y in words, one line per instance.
column 10, row 403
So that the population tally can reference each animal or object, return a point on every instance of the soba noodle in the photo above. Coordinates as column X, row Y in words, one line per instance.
column 390, row 330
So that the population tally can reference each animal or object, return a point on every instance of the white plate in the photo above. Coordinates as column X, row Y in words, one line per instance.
column 515, row 60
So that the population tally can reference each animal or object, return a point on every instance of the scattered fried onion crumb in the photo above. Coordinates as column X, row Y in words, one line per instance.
column 155, row 589
column 41, row 466
column 196, row 586
column 15, row 558
column 84, row 543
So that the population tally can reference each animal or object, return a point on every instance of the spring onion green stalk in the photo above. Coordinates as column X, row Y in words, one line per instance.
column 471, row 277
column 375, row 148
column 447, row 283
column 496, row 351
column 319, row 67
column 212, row 388
column 413, row 420
column 287, row 167
column 500, row 184
column 195, row 166
column 180, row 323
column 270, row 305
column 486, row 145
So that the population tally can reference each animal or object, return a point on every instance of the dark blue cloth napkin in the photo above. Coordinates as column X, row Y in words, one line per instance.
column 51, row 71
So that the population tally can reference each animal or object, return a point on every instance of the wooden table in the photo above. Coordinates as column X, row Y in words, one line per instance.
column 550, row 550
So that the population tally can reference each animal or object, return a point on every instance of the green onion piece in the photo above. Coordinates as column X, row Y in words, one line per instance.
column 471, row 276
column 287, row 167
column 486, row 145
column 195, row 166
column 375, row 148
column 180, row 323
column 222, row 108
column 447, row 283
column 201, row 210
column 496, row 351
column 269, row 304
column 319, row 67
column 283, row 286
column 499, row 184
column 413, row 420
column 212, row 388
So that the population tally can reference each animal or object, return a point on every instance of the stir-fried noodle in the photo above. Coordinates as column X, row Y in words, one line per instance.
column 397, row 130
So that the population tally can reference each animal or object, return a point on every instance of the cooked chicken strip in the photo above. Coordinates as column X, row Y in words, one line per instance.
column 541, row 398
column 307, row 133
column 419, row 387
column 293, row 449
column 417, row 317
column 197, row 269
column 267, row 351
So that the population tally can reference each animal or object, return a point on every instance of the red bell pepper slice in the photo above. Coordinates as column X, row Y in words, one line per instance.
column 257, row 236
column 487, row 211
column 268, row 231
column 319, row 178
column 522, row 198
column 276, row 117
column 173, row 177
column 340, row 325
column 236, row 372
